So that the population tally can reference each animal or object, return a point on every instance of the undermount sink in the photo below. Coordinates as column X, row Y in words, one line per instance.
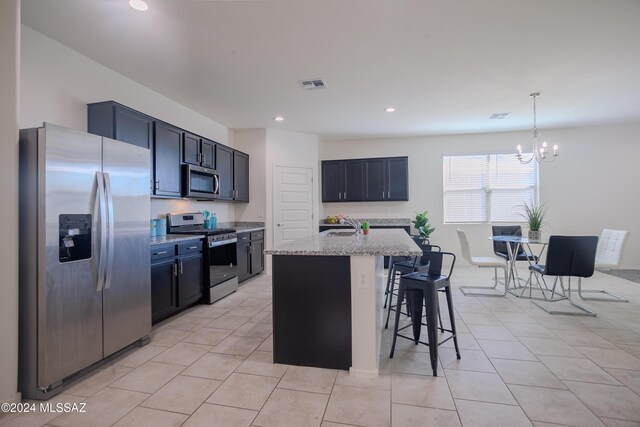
column 340, row 233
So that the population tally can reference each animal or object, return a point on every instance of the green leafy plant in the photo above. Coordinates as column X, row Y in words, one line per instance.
column 421, row 224
column 533, row 216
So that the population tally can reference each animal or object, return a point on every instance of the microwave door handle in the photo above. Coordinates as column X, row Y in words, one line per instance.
column 216, row 178
column 100, row 209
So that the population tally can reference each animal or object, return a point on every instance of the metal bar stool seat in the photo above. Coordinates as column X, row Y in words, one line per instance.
column 424, row 285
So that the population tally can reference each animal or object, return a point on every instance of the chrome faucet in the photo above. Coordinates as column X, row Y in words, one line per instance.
column 354, row 223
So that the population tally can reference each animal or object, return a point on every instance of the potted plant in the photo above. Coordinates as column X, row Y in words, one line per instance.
column 534, row 217
column 422, row 226
column 365, row 227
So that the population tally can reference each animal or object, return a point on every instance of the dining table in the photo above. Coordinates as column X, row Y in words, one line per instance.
column 514, row 244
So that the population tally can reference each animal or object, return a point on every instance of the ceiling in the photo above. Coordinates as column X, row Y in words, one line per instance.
column 446, row 65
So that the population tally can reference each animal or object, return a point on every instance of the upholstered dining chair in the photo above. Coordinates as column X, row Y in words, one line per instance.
column 608, row 256
column 482, row 262
column 567, row 257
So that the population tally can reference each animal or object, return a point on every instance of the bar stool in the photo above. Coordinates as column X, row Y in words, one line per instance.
column 425, row 284
column 400, row 267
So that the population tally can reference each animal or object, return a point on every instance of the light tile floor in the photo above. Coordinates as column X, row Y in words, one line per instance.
column 212, row 366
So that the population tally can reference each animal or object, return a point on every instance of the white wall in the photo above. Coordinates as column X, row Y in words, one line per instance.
column 57, row 83
column 288, row 149
column 589, row 187
column 9, row 83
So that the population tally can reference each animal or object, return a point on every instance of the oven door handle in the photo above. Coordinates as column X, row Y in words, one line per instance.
column 222, row 242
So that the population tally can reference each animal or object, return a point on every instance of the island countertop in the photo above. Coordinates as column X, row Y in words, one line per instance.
column 379, row 242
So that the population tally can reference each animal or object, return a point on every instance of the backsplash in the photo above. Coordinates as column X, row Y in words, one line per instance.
column 160, row 207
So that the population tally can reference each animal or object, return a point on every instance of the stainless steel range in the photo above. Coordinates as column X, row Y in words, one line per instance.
column 221, row 262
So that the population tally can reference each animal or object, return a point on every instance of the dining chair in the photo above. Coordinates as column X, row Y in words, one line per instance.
column 482, row 262
column 608, row 257
column 501, row 249
column 567, row 256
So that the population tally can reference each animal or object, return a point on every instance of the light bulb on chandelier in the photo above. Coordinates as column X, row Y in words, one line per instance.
column 539, row 150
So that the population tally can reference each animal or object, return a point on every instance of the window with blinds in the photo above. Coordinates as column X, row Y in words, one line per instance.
column 487, row 188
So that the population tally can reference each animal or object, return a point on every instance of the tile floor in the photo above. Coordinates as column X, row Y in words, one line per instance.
column 211, row 366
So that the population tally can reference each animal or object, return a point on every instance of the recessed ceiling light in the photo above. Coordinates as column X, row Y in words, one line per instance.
column 140, row 5
column 390, row 109
column 278, row 118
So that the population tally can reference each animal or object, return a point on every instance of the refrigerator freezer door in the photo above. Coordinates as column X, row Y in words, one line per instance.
column 127, row 289
column 69, row 303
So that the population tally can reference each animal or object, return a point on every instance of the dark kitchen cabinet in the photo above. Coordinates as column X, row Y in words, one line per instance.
column 177, row 272
column 208, row 153
column 241, row 176
column 224, row 166
column 332, row 181
column 189, row 279
column 397, row 178
column 369, row 180
column 233, row 169
column 164, row 300
column 171, row 147
column 342, row 181
column 198, row 151
column 115, row 121
column 387, row 179
column 244, row 261
column 250, row 254
column 167, row 158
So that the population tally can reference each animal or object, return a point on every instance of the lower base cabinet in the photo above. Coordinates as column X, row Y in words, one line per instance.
column 250, row 254
column 176, row 278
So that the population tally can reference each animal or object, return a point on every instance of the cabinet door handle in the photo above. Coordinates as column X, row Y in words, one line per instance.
column 160, row 253
column 204, row 158
column 181, row 269
column 339, row 196
column 192, row 247
column 175, row 270
column 388, row 194
column 157, row 184
column 383, row 194
column 345, row 195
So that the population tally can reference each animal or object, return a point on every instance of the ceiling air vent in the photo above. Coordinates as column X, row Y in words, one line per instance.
column 498, row 116
column 313, row 84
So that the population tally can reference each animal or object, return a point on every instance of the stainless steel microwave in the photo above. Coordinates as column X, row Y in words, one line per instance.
column 200, row 183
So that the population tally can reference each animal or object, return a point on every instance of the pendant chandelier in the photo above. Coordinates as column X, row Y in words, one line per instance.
column 540, row 152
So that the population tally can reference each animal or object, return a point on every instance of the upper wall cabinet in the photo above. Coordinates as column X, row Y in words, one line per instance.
column 342, row 181
column 240, row 176
column 167, row 155
column 369, row 180
column 387, row 179
column 198, row 151
column 171, row 147
column 115, row 121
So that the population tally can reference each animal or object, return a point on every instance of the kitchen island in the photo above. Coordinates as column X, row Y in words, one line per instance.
column 327, row 298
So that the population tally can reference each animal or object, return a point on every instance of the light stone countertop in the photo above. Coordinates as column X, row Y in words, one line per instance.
column 377, row 222
column 173, row 238
column 379, row 242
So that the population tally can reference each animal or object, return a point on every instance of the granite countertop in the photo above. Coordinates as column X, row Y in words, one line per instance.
column 379, row 242
column 242, row 226
column 173, row 238
column 376, row 222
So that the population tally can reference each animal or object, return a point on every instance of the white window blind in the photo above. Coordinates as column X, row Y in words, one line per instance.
column 487, row 187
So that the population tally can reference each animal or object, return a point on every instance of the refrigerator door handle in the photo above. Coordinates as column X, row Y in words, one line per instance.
column 111, row 236
column 102, row 214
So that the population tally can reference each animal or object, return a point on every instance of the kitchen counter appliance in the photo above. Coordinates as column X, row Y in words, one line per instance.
column 85, row 290
column 221, row 261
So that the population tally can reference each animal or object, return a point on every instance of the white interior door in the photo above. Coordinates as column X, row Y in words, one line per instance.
column 293, row 203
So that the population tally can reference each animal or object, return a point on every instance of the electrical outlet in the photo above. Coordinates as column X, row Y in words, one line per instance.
column 363, row 282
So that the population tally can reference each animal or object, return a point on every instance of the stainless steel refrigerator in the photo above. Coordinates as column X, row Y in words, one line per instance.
column 85, row 288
